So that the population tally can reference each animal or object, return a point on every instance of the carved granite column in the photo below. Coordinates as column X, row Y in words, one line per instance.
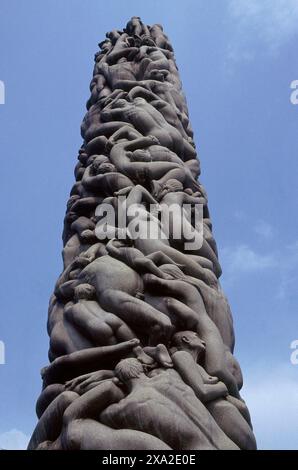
column 141, row 333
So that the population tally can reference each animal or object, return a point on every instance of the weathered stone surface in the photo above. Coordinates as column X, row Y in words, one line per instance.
column 141, row 334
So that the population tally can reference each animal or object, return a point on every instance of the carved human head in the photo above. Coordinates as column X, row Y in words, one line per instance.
column 84, row 291
column 106, row 168
column 128, row 369
column 158, row 75
column 98, row 162
column 72, row 200
column 105, row 45
column 172, row 186
column 188, row 340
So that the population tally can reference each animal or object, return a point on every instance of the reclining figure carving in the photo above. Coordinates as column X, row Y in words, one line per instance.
column 141, row 333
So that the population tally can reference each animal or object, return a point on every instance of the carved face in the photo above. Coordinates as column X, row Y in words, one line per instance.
column 193, row 340
column 157, row 75
column 98, row 164
column 106, row 168
column 189, row 340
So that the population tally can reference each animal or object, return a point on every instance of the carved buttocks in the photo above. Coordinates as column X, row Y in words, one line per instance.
column 141, row 334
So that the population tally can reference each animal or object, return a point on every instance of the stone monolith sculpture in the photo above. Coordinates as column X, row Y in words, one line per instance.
column 141, row 333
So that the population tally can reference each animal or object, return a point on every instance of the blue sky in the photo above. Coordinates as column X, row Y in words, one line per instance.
column 237, row 59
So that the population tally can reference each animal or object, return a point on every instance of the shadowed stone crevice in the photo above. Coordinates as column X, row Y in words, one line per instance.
column 141, row 333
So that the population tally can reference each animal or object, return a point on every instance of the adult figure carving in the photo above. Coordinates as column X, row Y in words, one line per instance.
column 165, row 407
column 148, row 223
column 230, row 413
column 149, row 121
